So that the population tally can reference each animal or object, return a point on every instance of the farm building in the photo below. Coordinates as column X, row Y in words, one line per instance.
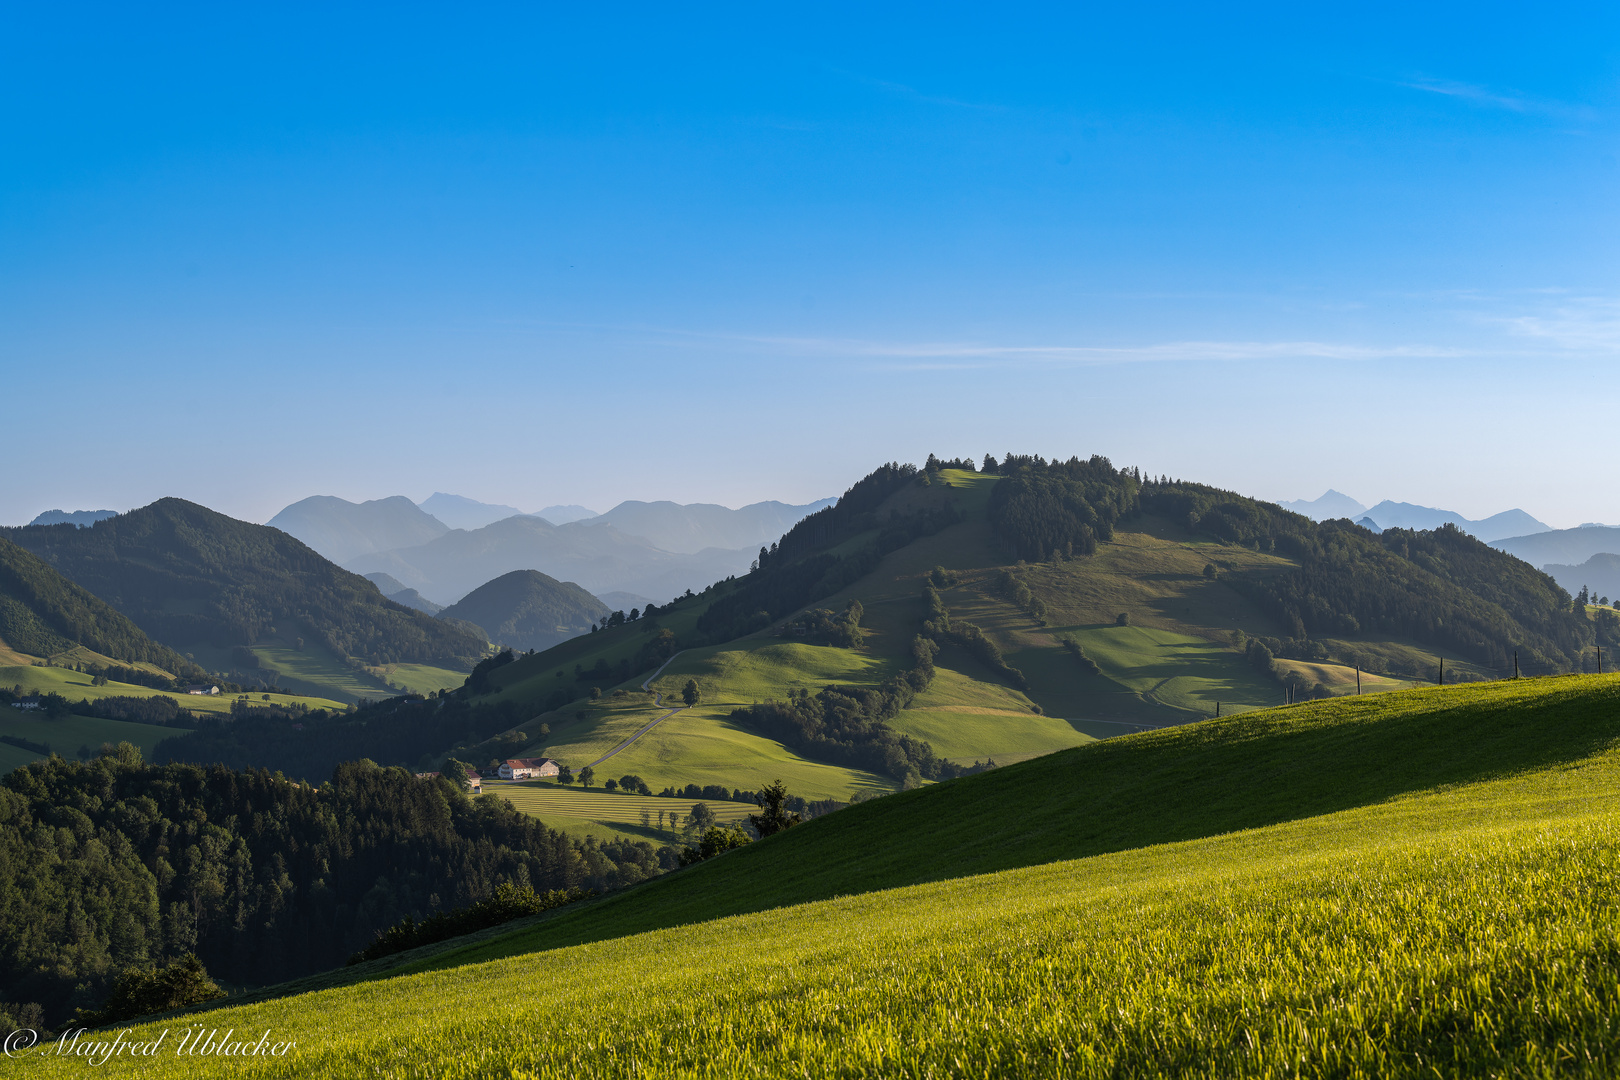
column 202, row 690
column 527, row 768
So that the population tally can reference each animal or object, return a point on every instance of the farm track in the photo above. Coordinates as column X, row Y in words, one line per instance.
column 658, row 701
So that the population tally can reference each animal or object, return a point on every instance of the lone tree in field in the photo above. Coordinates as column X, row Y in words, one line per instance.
column 774, row 819
column 690, row 693
column 565, row 775
column 701, row 818
column 586, row 775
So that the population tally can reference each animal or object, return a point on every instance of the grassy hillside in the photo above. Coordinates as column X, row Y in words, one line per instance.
column 208, row 585
column 79, row 685
column 1169, row 603
column 694, row 746
column 310, row 666
column 1187, row 599
column 1416, row 883
column 67, row 735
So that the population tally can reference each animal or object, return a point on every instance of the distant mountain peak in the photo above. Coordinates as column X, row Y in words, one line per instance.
column 526, row 609
column 563, row 515
column 460, row 512
column 82, row 518
column 1331, row 504
column 341, row 530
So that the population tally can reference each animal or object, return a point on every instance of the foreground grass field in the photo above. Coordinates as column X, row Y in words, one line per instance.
column 1413, row 884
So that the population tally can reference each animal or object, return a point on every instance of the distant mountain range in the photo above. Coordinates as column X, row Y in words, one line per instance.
column 656, row 548
column 1600, row 573
column 460, row 512
column 206, row 584
column 1333, row 504
column 528, row 610
column 1567, row 547
column 599, row 557
column 340, row 529
column 691, row 528
column 1399, row 515
column 399, row 594
column 82, row 518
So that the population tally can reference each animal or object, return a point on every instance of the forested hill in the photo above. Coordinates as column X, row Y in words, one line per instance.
column 114, row 864
column 528, row 610
column 197, row 580
column 1442, row 587
column 42, row 613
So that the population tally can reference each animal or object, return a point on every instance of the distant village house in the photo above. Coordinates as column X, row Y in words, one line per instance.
column 528, row 768
column 202, row 689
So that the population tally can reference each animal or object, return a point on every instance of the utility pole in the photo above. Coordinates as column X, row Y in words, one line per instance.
column 1515, row 663
column 1442, row 680
column 1217, row 708
column 1358, row 680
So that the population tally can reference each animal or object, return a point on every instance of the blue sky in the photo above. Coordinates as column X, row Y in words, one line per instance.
column 538, row 255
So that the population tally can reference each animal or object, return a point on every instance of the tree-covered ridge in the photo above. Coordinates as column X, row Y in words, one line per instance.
column 189, row 576
column 114, row 864
column 1443, row 588
column 855, row 512
column 528, row 610
column 43, row 613
column 799, row 569
column 1040, row 507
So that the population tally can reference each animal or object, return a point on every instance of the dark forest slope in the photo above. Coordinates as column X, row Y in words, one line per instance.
column 528, row 610
column 199, row 581
column 43, row 613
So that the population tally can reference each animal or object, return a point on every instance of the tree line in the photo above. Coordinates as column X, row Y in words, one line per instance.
column 43, row 613
column 114, row 864
column 1443, row 588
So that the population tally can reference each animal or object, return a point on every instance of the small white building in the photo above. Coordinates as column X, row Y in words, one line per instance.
column 202, row 690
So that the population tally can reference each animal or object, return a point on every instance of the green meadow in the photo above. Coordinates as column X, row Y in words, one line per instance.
column 419, row 678
column 968, row 733
column 1418, row 883
column 607, row 814
column 314, row 669
column 67, row 735
column 76, row 685
column 757, row 668
column 700, row 746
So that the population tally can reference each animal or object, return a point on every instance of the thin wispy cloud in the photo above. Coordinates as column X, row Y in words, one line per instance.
column 1487, row 97
column 1578, row 324
column 933, row 355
